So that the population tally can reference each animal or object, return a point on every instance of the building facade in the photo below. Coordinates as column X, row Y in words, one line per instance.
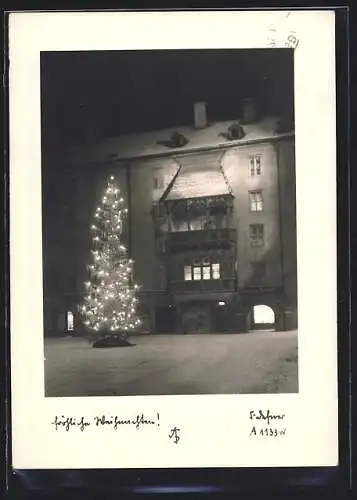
column 211, row 224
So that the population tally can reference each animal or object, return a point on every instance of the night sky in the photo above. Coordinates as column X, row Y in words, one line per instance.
column 113, row 92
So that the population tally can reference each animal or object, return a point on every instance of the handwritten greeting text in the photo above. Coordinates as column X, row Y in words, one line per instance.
column 114, row 421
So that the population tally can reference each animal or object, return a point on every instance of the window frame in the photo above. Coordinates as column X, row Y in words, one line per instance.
column 252, row 193
column 255, row 165
column 202, row 269
column 213, row 269
column 256, row 237
column 187, row 267
column 195, row 274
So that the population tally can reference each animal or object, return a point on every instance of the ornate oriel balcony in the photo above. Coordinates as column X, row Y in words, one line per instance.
column 226, row 284
column 208, row 239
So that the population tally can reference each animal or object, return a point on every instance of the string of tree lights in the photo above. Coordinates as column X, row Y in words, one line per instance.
column 110, row 301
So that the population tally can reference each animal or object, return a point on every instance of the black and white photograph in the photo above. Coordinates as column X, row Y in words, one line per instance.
column 169, row 222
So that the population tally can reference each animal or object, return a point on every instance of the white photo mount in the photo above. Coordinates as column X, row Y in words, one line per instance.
column 216, row 429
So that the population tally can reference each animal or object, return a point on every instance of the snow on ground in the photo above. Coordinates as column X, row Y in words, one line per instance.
column 253, row 363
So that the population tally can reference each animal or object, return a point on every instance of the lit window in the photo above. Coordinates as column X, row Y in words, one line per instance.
column 188, row 273
column 256, row 201
column 256, row 235
column 255, row 166
column 197, row 273
column 206, row 272
column 215, row 272
column 202, row 270
column 70, row 322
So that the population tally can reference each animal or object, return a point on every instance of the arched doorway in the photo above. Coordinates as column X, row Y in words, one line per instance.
column 263, row 317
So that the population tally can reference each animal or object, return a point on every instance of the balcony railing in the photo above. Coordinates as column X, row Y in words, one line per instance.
column 205, row 240
column 225, row 284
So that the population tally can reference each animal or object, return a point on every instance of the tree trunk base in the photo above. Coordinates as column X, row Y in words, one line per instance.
column 111, row 340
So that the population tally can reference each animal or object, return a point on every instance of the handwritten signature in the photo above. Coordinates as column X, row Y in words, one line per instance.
column 266, row 416
column 265, row 419
column 174, row 435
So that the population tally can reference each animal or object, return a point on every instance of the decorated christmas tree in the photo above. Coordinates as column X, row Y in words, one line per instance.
column 109, row 305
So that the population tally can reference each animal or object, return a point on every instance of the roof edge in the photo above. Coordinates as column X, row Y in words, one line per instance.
column 175, row 153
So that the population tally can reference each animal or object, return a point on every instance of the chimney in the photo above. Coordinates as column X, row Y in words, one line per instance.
column 249, row 110
column 200, row 115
